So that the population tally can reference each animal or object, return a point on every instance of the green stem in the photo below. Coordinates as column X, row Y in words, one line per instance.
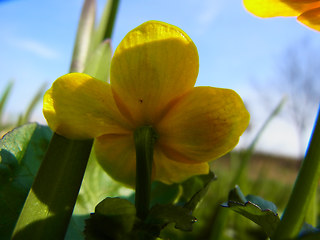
column 144, row 138
column 305, row 186
column 49, row 205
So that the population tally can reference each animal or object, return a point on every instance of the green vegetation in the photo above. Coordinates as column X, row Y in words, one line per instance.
column 249, row 195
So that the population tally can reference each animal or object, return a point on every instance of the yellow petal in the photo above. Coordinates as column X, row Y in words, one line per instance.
column 275, row 8
column 154, row 64
column 78, row 106
column 169, row 171
column 311, row 19
column 203, row 125
column 116, row 154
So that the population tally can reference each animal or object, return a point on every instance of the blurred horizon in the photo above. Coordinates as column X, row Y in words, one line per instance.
column 236, row 50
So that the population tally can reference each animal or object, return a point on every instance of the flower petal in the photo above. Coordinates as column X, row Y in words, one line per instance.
column 78, row 106
column 154, row 64
column 311, row 18
column 169, row 171
column 116, row 154
column 203, row 125
column 275, row 8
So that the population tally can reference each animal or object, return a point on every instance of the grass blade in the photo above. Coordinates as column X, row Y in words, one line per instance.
column 84, row 35
column 304, row 189
column 23, row 119
column 49, row 205
column 4, row 99
column 106, row 24
column 98, row 65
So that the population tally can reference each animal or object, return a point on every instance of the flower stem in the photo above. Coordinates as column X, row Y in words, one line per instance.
column 304, row 189
column 144, row 138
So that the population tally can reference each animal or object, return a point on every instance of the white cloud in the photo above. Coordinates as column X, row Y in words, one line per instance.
column 35, row 47
column 209, row 11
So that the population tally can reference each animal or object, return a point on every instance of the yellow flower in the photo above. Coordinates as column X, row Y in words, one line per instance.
column 153, row 72
column 308, row 11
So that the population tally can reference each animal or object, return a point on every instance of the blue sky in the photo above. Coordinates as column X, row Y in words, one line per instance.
column 235, row 48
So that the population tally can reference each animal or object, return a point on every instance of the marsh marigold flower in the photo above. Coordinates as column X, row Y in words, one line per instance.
column 152, row 77
column 307, row 11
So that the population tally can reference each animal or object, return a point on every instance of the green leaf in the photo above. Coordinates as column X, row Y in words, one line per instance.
column 310, row 236
column 264, row 218
column 162, row 215
column 76, row 227
column 236, row 196
column 263, row 204
column 96, row 186
column 98, row 64
column 161, row 193
column 21, row 153
column 308, row 232
column 258, row 210
column 113, row 219
column 198, row 187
